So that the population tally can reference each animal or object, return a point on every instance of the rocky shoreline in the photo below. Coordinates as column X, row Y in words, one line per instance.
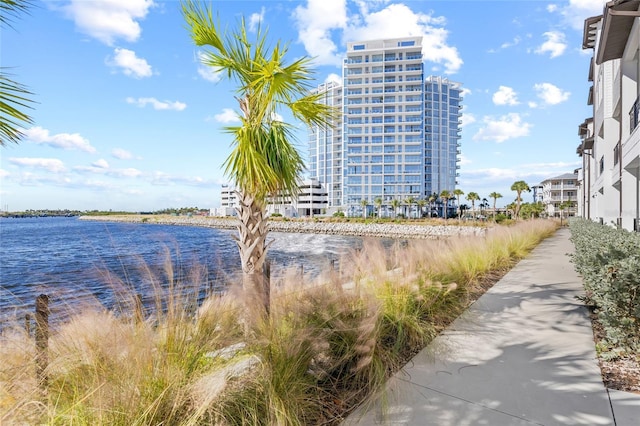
column 379, row 230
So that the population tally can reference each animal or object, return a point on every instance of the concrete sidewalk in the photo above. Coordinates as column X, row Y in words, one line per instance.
column 523, row 354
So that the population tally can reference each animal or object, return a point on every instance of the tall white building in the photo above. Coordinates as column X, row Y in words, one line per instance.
column 400, row 132
column 325, row 147
column 610, row 148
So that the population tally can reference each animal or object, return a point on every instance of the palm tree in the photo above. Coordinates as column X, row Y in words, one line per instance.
column 444, row 196
column 432, row 202
column 473, row 197
column 421, row 203
column 378, row 203
column 395, row 203
column 495, row 196
column 264, row 160
column 519, row 186
column 364, row 203
column 14, row 97
column 458, row 192
column 409, row 201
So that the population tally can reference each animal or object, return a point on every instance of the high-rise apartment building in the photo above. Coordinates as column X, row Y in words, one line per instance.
column 400, row 132
column 325, row 147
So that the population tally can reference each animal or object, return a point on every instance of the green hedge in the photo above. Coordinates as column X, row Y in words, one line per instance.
column 609, row 261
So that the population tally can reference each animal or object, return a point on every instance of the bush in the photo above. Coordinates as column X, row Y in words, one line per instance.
column 339, row 213
column 609, row 261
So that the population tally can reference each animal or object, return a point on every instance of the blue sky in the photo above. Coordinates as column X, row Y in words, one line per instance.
column 128, row 119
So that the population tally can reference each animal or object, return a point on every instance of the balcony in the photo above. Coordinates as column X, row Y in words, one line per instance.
column 633, row 115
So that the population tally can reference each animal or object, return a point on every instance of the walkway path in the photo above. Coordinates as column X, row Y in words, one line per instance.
column 523, row 354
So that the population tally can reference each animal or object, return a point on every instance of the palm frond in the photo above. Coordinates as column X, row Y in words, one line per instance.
column 14, row 97
column 11, row 9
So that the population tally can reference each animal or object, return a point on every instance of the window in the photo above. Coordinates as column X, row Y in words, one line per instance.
column 358, row 47
column 602, row 164
column 406, row 43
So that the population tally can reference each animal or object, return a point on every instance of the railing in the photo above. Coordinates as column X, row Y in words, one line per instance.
column 633, row 115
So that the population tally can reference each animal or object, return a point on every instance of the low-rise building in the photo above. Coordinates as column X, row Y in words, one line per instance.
column 559, row 195
column 312, row 199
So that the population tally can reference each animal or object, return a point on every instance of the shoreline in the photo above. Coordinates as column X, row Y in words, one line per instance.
column 352, row 229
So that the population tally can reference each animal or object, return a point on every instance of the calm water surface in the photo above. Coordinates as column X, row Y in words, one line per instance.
column 71, row 260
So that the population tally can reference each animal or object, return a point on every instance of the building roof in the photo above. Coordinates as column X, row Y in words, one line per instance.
column 617, row 20
column 590, row 32
column 565, row 176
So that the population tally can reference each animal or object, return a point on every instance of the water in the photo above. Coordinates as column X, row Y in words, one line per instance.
column 73, row 260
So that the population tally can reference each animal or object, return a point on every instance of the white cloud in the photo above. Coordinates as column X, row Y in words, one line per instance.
column 109, row 20
column 256, row 19
column 156, row 104
column 315, row 22
column 122, row 154
column 128, row 172
column 68, row 141
column 505, row 96
column 467, row 119
column 130, row 64
column 555, row 44
column 4, row 173
column 101, row 164
column 207, row 72
column 333, row 78
column 101, row 167
column 49, row 164
column 464, row 160
column 509, row 126
column 165, row 179
column 577, row 11
column 550, row 94
column 227, row 116
column 398, row 20
column 516, row 40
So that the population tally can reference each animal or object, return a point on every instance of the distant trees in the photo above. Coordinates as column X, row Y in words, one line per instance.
column 473, row 197
column 395, row 203
column 495, row 196
column 458, row 192
column 364, row 203
column 377, row 202
column 444, row 197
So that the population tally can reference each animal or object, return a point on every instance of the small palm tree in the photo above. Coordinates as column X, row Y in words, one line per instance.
column 495, row 196
column 520, row 187
column 395, row 203
column 410, row 201
column 421, row 204
column 378, row 203
column 364, row 203
column 473, row 197
column 458, row 192
column 432, row 202
column 264, row 160
column 445, row 195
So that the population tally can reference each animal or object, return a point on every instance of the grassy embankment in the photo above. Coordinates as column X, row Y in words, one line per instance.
column 323, row 349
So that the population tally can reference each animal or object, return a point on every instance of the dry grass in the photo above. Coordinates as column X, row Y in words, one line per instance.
column 324, row 348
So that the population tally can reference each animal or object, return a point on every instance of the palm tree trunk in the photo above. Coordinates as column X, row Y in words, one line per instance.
column 252, row 233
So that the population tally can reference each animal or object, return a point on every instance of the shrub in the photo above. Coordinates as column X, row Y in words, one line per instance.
column 609, row 261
